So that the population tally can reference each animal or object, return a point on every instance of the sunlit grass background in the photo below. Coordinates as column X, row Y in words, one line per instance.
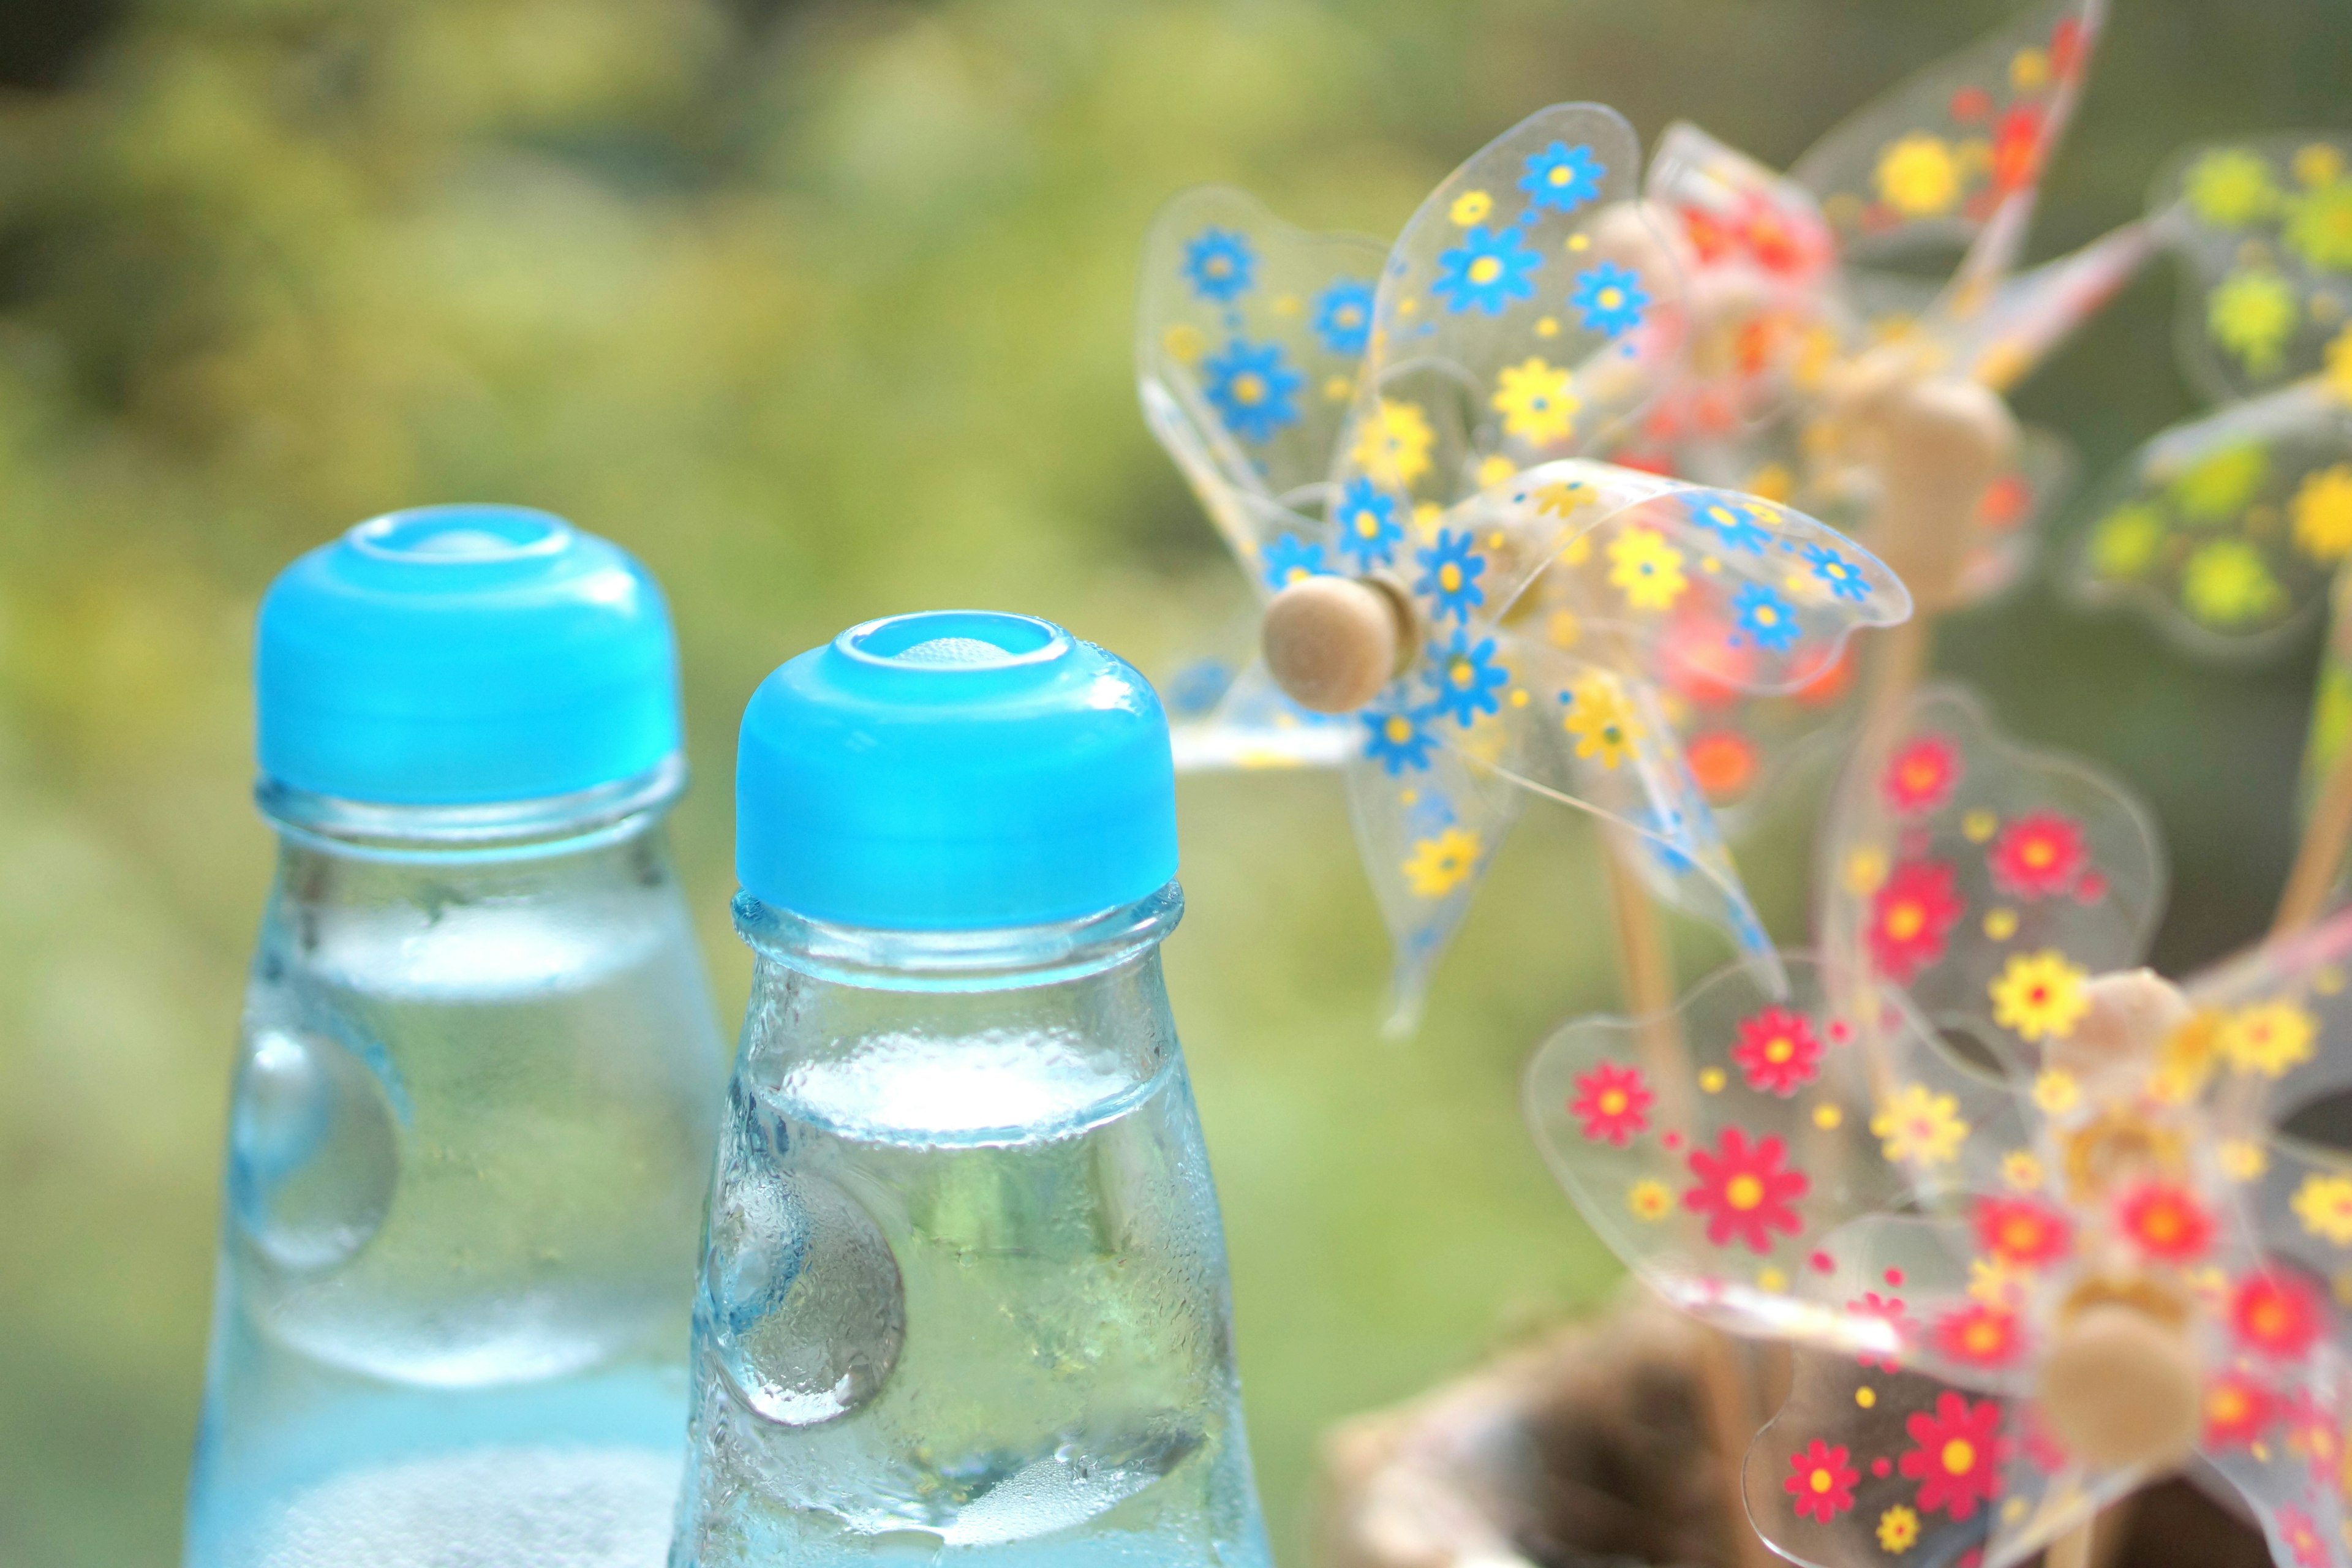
column 823, row 310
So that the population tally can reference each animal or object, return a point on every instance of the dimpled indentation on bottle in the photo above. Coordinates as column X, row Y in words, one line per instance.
column 954, row 650
column 806, row 1306
column 313, row 1158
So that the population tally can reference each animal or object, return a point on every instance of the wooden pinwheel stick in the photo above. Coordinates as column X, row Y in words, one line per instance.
column 1645, row 971
column 1934, row 444
column 2319, row 855
column 1333, row 643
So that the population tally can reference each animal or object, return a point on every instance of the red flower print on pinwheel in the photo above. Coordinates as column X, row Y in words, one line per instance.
column 1778, row 1051
column 1910, row 917
column 2301, row 1537
column 2016, row 1231
column 1613, row 1103
column 1979, row 1335
column 2039, row 854
column 2275, row 1315
column 2166, row 1222
column 1960, row 1454
column 1743, row 1190
column 2017, row 148
column 1890, row 1311
column 1822, row 1481
column 2237, row 1408
column 1922, row 775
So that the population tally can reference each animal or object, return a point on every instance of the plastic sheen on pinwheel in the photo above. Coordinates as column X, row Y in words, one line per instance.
column 1820, row 375
column 2229, row 530
column 1391, row 448
column 2030, row 1219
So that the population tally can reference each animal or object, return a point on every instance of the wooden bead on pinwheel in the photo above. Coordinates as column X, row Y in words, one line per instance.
column 1332, row 644
column 2132, row 1013
column 1936, row 443
column 2120, row 1387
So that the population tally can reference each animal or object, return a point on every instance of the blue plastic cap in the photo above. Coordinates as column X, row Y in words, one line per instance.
column 956, row 770
column 463, row 654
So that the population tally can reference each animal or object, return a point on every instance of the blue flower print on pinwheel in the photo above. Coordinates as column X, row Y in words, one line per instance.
column 1289, row 558
column 1400, row 738
column 1343, row 316
column 1369, row 528
column 1465, row 679
column 1450, row 572
column 1486, row 271
column 1220, row 265
column 1843, row 576
column 1195, row 689
column 1765, row 616
column 1664, row 840
column 1610, row 298
column 1729, row 521
column 1562, row 176
column 1253, row 389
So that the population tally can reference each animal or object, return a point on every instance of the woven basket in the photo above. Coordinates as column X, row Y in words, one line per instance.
column 1591, row 1446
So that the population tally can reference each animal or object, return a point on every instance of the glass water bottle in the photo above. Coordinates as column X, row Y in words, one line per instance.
column 964, row 1295
column 479, row 1080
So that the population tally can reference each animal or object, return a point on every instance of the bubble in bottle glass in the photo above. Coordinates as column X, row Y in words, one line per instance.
column 963, row 1294
column 478, row 1087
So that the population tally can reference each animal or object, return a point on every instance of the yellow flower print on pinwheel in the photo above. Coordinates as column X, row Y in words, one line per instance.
column 1898, row 1529
column 1535, row 402
column 1918, row 175
column 1601, row 721
column 2252, row 314
column 2040, row 996
column 1919, row 1127
column 1393, row 445
column 2318, row 226
column 2269, row 1039
column 2323, row 1204
column 2322, row 510
column 1442, row 864
column 2227, row 585
column 1650, row 1200
column 1646, row 568
column 2230, row 187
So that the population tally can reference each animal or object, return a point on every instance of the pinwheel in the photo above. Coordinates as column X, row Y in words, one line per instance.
column 2030, row 1219
column 2228, row 530
column 1873, row 399
column 1457, row 607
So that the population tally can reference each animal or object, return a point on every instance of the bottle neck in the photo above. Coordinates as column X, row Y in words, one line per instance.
column 947, row 1037
column 334, row 851
column 489, row 831
column 1006, row 958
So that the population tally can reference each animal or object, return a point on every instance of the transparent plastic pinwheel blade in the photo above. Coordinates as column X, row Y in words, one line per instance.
column 1953, row 156
column 2263, row 227
column 2225, row 530
column 1250, row 336
column 1988, row 882
column 1530, row 305
column 1748, row 1156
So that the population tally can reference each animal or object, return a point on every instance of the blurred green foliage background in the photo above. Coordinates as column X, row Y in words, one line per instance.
column 822, row 310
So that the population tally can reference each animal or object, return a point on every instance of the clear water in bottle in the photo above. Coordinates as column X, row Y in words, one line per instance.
column 468, row 1140
column 964, row 1298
